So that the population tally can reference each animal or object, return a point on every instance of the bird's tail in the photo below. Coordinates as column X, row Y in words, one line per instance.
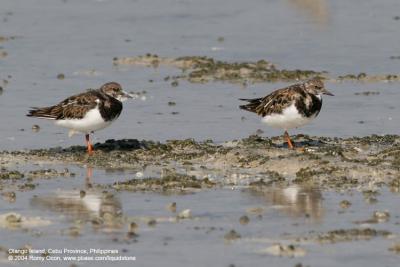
column 42, row 113
column 252, row 105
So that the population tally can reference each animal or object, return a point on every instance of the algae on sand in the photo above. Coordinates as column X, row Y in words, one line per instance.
column 334, row 163
column 201, row 69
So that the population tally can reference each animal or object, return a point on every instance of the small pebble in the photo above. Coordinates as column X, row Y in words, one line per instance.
column 175, row 83
column 133, row 227
column 185, row 214
column 232, row 235
column 244, row 220
column 171, row 207
column 35, row 128
column 345, row 204
column 82, row 193
column 152, row 223
column 381, row 216
column 132, row 230
column 61, row 76
column 97, row 221
column 13, row 218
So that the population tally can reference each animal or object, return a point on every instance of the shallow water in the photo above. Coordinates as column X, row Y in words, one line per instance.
column 276, row 215
column 80, row 39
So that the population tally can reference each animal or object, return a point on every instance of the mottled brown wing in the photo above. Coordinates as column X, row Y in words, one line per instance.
column 275, row 102
column 74, row 107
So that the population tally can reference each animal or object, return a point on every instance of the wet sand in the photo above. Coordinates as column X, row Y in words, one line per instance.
column 273, row 204
column 326, row 163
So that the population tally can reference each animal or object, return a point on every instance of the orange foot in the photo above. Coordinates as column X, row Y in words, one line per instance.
column 90, row 149
column 289, row 142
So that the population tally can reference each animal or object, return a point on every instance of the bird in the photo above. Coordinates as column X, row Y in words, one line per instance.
column 289, row 107
column 86, row 112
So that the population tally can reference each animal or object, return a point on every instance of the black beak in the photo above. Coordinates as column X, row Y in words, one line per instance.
column 326, row 92
column 127, row 95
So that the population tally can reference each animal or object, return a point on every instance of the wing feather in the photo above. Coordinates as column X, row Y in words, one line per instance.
column 275, row 102
column 73, row 107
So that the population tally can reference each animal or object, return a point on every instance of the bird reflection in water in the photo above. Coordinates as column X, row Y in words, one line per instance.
column 296, row 201
column 316, row 9
column 89, row 175
column 103, row 210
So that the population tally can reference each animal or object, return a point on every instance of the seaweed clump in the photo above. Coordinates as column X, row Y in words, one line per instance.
column 171, row 182
column 200, row 69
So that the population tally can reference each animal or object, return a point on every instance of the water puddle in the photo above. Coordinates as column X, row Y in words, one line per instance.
column 232, row 225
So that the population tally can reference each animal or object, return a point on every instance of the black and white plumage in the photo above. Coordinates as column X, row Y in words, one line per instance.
column 289, row 107
column 86, row 112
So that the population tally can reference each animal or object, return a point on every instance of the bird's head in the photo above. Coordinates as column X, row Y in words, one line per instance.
column 114, row 89
column 316, row 87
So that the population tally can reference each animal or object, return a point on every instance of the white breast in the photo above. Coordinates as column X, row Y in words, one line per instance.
column 290, row 118
column 91, row 122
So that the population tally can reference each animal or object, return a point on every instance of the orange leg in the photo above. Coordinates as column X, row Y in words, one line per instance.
column 289, row 142
column 89, row 145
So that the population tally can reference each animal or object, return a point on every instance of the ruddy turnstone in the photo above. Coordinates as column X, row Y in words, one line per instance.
column 86, row 112
column 289, row 107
